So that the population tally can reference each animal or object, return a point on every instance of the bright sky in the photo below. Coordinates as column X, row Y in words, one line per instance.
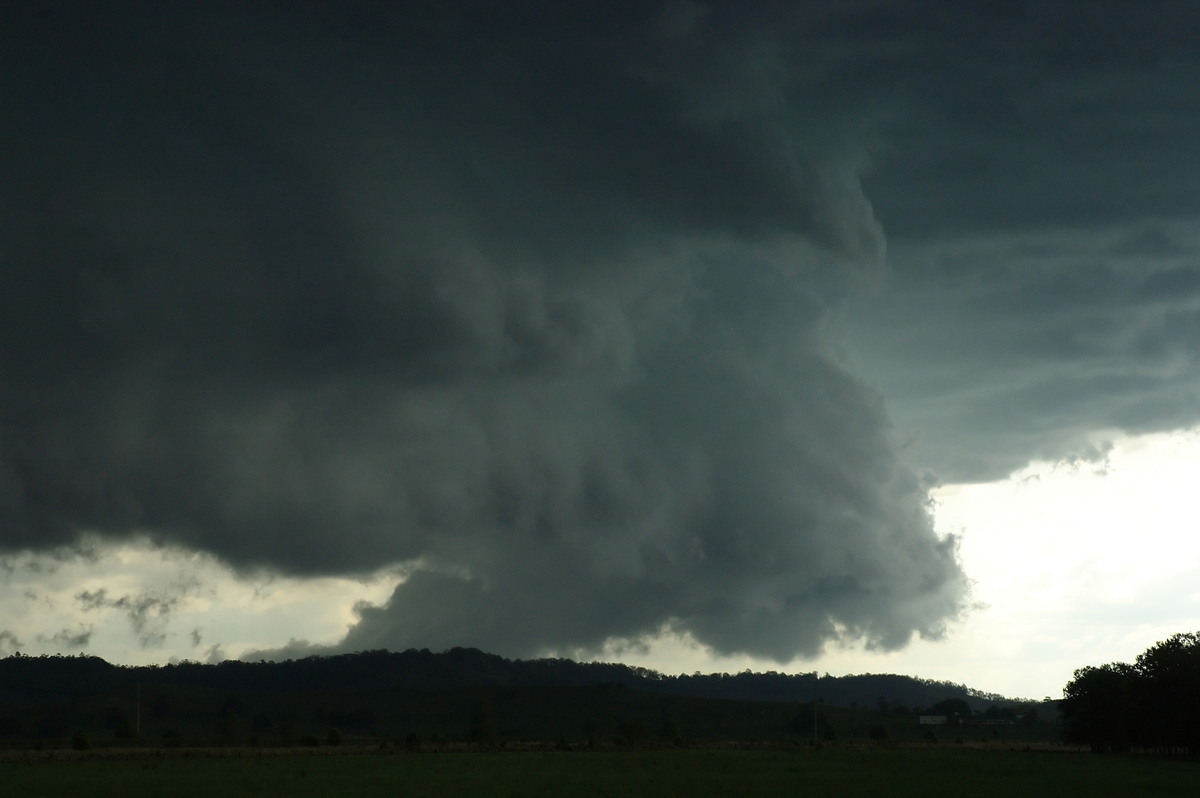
column 1073, row 566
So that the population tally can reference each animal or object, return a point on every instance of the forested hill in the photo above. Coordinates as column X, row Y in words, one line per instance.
column 46, row 677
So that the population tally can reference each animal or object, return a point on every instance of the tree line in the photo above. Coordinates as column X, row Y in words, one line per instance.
column 1151, row 705
column 49, row 676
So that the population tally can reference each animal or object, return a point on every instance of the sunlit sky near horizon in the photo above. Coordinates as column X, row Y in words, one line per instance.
column 855, row 337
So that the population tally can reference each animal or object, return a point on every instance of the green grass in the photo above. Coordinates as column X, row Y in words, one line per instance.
column 831, row 771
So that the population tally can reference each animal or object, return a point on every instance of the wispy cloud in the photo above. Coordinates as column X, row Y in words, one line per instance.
column 148, row 613
column 9, row 642
column 69, row 639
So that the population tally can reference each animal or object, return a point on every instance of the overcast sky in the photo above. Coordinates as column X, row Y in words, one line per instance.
column 849, row 336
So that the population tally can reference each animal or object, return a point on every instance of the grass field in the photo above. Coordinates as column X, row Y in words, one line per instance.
column 831, row 771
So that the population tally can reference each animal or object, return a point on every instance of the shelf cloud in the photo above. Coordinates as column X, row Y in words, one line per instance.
column 582, row 318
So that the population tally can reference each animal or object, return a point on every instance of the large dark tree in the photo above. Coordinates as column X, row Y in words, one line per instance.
column 1151, row 705
column 1098, row 707
column 1169, row 674
column 951, row 707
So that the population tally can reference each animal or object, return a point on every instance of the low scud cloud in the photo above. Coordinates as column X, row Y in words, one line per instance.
column 534, row 306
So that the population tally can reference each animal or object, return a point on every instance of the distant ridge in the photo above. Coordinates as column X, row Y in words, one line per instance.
column 74, row 676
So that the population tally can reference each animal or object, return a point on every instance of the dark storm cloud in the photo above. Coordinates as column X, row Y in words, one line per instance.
column 530, row 297
column 1027, row 116
column 1004, row 349
column 1038, row 192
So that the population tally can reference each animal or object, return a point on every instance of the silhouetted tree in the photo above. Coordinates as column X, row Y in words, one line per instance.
column 951, row 707
column 1168, row 676
column 1152, row 704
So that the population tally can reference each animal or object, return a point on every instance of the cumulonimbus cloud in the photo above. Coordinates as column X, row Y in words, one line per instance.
column 535, row 303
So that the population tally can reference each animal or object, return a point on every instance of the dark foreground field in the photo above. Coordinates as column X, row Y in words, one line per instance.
column 831, row 771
